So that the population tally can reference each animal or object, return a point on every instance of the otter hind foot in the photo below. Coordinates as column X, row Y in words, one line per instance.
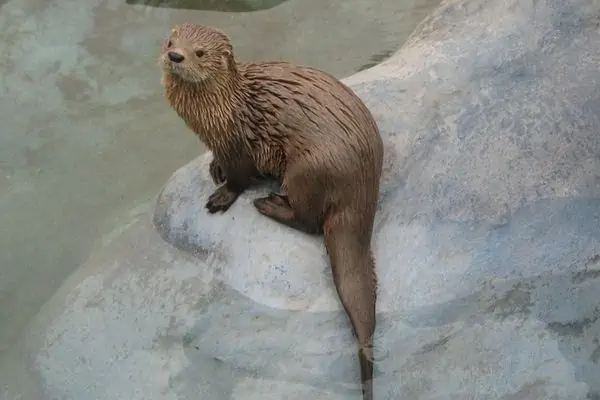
column 216, row 173
column 277, row 207
column 221, row 199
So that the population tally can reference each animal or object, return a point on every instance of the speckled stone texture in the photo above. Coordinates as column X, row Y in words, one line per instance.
column 487, row 244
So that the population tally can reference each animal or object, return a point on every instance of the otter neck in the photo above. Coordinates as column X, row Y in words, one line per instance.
column 208, row 107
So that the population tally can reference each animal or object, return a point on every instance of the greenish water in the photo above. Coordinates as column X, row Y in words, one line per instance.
column 87, row 139
column 212, row 5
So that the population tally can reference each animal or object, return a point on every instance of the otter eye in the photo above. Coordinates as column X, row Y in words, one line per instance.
column 169, row 43
column 199, row 53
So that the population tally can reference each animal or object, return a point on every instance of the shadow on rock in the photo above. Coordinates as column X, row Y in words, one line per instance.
column 561, row 312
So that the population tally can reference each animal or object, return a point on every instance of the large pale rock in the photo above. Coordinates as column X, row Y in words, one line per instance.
column 487, row 244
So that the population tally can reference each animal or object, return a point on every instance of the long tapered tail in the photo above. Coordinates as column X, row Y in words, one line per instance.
column 355, row 279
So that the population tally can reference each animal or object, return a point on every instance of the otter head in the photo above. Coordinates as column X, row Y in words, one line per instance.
column 196, row 53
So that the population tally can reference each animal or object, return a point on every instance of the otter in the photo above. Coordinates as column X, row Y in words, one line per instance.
column 304, row 128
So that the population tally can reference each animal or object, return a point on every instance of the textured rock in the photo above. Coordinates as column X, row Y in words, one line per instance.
column 487, row 243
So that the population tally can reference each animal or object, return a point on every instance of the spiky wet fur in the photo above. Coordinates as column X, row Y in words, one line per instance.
column 306, row 129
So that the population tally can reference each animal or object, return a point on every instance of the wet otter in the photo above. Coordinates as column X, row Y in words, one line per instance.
column 304, row 128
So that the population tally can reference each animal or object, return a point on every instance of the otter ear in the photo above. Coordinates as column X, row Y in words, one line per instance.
column 227, row 58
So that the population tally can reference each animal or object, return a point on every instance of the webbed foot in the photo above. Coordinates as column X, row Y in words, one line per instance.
column 221, row 199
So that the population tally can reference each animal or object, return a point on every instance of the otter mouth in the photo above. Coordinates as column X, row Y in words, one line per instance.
column 170, row 67
column 167, row 65
column 177, row 69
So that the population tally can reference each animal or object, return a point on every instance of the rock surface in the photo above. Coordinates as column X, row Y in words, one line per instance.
column 487, row 244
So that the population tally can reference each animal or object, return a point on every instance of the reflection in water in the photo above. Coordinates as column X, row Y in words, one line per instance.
column 212, row 5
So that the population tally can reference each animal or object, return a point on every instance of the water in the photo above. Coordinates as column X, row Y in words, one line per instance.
column 212, row 5
column 87, row 139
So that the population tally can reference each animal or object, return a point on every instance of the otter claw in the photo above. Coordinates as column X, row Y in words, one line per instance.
column 221, row 200
column 216, row 173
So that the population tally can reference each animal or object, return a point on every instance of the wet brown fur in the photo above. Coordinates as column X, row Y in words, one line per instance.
column 302, row 127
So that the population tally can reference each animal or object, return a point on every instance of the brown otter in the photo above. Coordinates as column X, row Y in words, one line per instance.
column 301, row 126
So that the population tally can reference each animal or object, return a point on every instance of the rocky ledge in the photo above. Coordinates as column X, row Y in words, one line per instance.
column 487, row 244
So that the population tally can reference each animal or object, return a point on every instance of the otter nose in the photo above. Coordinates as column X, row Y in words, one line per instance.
column 175, row 57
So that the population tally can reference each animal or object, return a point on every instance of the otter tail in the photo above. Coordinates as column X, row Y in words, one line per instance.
column 348, row 244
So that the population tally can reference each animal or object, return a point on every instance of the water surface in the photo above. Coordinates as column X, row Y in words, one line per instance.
column 212, row 5
column 87, row 140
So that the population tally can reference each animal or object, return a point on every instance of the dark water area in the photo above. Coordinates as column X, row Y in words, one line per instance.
column 211, row 5
column 376, row 59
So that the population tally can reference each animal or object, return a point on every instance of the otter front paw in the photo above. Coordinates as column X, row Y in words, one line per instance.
column 216, row 172
column 221, row 200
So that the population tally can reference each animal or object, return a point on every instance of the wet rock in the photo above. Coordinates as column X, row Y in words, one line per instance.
column 487, row 244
